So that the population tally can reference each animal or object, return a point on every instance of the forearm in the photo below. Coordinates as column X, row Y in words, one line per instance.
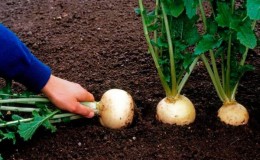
column 19, row 64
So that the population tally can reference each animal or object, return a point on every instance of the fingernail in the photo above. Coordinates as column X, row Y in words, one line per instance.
column 91, row 114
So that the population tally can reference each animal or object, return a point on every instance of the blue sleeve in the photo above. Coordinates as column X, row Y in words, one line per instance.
column 19, row 64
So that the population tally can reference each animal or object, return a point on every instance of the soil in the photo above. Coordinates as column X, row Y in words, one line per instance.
column 100, row 45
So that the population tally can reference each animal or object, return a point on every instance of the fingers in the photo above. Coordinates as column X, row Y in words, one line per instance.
column 67, row 96
column 85, row 96
column 82, row 110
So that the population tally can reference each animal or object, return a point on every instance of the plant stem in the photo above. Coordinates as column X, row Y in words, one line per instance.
column 171, row 54
column 228, row 92
column 216, row 74
column 223, row 71
column 220, row 91
column 55, row 119
column 186, row 76
column 24, row 100
column 242, row 62
column 155, row 59
column 228, row 89
column 15, row 122
column 93, row 105
column 155, row 32
column 26, row 120
column 20, row 96
column 59, row 120
column 203, row 15
column 180, row 76
column 18, row 109
column 253, row 24
column 233, row 6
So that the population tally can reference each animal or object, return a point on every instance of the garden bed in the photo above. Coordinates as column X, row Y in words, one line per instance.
column 100, row 44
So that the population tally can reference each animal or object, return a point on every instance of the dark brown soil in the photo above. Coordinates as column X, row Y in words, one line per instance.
column 100, row 44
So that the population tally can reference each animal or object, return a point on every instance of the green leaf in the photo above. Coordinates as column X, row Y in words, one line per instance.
column 177, row 28
column 206, row 43
column 1, row 158
column 219, row 51
column 188, row 59
column 137, row 11
column 184, row 29
column 47, row 124
column 9, row 135
column 152, row 27
column 191, row 7
column 27, row 129
column 246, row 35
column 224, row 15
column 236, row 22
column 238, row 71
column 178, row 48
column 164, row 63
column 6, row 89
column 190, row 32
column 27, row 94
column 150, row 20
column 16, row 117
column 160, row 43
column 253, row 9
column 149, row 17
column 173, row 8
column 212, row 26
column 66, row 119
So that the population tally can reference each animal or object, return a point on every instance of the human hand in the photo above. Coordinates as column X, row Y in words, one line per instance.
column 67, row 96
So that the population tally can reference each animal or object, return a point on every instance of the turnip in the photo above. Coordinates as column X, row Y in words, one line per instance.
column 228, row 35
column 233, row 114
column 170, row 37
column 115, row 111
column 178, row 111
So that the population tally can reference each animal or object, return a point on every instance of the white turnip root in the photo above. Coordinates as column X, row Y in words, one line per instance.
column 233, row 113
column 179, row 111
column 116, row 109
